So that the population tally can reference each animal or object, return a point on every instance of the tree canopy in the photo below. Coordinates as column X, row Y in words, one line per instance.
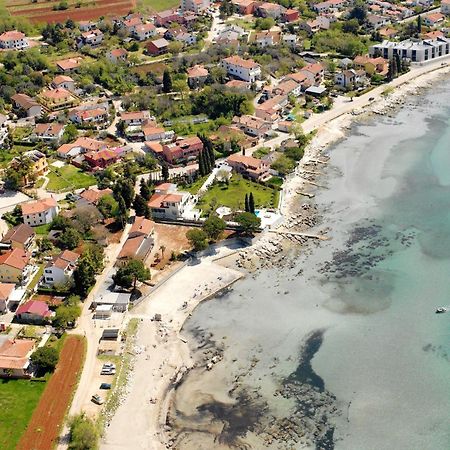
column 45, row 358
column 132, row 272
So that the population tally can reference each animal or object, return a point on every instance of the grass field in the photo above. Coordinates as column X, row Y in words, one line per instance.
column 18, row 399
column 157, row 5
column 68, row 177
column 233, row 195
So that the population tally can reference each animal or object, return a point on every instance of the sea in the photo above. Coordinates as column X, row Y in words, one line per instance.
column 340, row 347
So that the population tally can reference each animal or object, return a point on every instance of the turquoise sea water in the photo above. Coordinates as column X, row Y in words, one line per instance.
column 345, row 339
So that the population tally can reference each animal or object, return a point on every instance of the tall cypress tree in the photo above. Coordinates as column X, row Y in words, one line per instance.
column 201, row 164
column 398, row 63
column 251, row 203
column 247, row 206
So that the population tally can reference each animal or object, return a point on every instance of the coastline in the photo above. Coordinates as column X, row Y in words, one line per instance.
column 168, row 354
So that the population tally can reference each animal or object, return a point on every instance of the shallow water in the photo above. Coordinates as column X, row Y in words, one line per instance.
column 344, row 350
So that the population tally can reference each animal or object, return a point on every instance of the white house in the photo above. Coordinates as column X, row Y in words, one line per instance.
column 244, row 69
column 144, row 31
column 59, row 271
column 13, row 40
column 81, row 145
column 63, row 82
column 167, row 203
column 135, row 118
column 92, row 38
column 350, row 78
column 40, row 212
column 93, row 116
column 196, row 6
column 47, row 132
column 117, row 55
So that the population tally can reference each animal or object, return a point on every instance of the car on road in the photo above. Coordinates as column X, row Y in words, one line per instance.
column 105, row 386
column 108, row 372
column 97, row 399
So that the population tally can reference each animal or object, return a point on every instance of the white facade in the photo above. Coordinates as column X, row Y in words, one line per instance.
column 240, row 68
column 41, row 218
column 196, row 6
column 415, row 50
column 13, row 40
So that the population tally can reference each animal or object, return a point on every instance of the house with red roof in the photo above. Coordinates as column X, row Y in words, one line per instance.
column 167, row 202
column 249, row 167
column 15, row 358
column 101, row 158
column 13, row 40
column 183, row 150
column 244, row 69
column 15, row 266
column 81, row 145
column 117, row 55
column 40, row 212
column 59, row 271
column 89, row 117
column 34, row 312
column 139, row 243
column 6, row 291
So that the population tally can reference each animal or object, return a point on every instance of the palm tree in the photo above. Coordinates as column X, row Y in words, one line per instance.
column 163, row 249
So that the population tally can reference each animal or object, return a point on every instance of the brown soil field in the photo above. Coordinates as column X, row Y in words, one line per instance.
column 47, row 420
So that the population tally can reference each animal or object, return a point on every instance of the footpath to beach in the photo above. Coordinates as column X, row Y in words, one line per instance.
column 139, row 422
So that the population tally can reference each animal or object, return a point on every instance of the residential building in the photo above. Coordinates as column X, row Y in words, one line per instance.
column 38, row 161
column 265, row 38
column 291, row 15
column 273, row 10
column 288, row 87
column 117, row 55
column 92, row 38
column 135, row 118
column 350, row 78
column 102, row 158
column 80, row 146
column 40, row 212
column 27, row 104
column 252, row 125
column 57, row 99
column 144, row 31
column 59, row 271
column 69, row 65
column 431, row 20
column 197, row 75
column 445, row 7
column 415, row 50
column 34, row 312
column 166, row 204
column 89, row 117
column 21, row 237
column 270, row 110
column 244, row 7
column 47, row 132
column 182, row 150
column 314, row 72
column 154, row 133
column 87, row 25
column 197, row 6
column 139, row 243
column 93, row 195
column 14, row 266
column 244, row 69
column 6, row 292
column 13, row 40
column 371, row 66
column 15, row 358
column 167, row 17
column 249, row 167
column 314, row 25
column 63, row 82
column 157, row 47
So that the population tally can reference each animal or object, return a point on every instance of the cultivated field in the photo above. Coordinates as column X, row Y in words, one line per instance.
column 47, row 11
column 46, row 422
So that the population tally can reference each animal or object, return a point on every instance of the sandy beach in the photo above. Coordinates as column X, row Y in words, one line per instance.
column 140, row 421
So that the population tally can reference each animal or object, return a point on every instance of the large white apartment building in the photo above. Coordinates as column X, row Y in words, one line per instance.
column 13, row 40
column 414, row 49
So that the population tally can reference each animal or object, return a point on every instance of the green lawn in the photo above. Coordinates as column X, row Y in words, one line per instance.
column 194, row 187
column 67, row 178
column 158, row 5
column 233, row 195
column 7, row 155
column 18, row 399
column 42, row 229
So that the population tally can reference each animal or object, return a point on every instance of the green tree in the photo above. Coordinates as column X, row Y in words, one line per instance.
column 197, row 238
column 248, row 222
column 70, row 133
column 167, row 82
column 246, row 206
column 108, row 206
column 214, row 226
column 251, row 203
column 141, row 207
column 122, row 212
column 44, row 244
column 124, row 188
column 84, row 276
column 419, row 24
column 45, row 358
column 83, row 433
column 66, row 315
column 69, row 239
column 133, row 271
column 144, row 190
column 165, row 171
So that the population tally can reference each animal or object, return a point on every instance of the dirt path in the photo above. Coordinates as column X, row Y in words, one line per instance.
column 46, row 421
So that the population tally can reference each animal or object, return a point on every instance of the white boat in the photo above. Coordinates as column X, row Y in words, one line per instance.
column 441, row 310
